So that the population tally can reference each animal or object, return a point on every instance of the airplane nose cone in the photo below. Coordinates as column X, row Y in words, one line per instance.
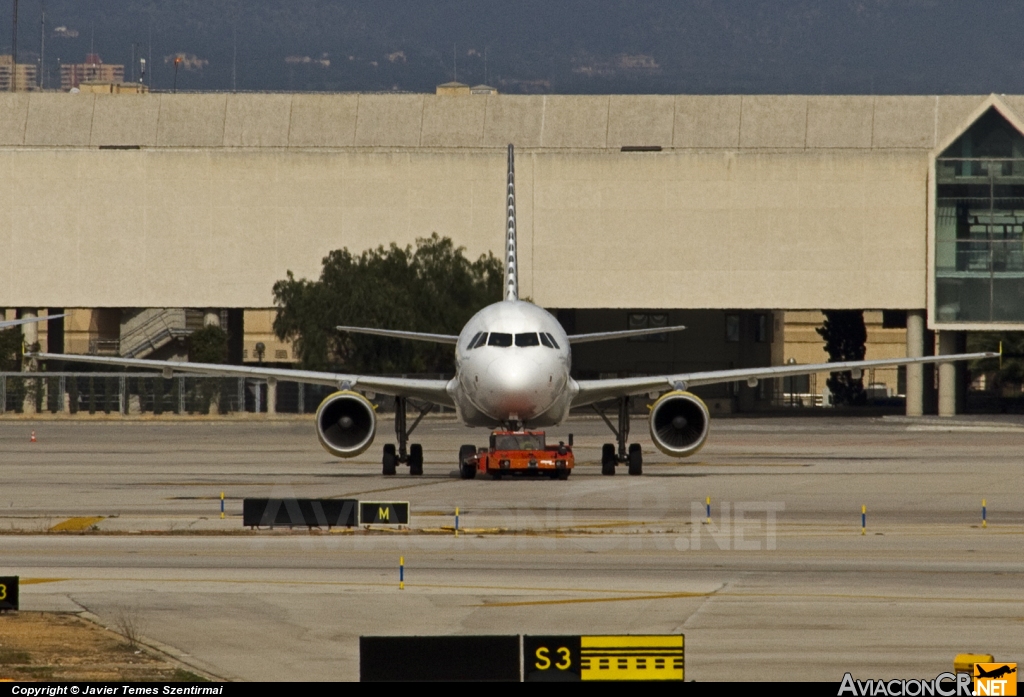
column 514, row 375
column 517, row 386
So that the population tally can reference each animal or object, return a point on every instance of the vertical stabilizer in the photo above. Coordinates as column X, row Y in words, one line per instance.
column 511, row 276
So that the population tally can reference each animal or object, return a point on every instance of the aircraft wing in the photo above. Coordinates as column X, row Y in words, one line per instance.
column 452, row 339
column 15, row 322
column 623, row 334
column 434, row 391
column 592, row 391
column 399, row 334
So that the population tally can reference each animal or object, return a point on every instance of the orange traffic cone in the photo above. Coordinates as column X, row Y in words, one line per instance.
column 33, row 440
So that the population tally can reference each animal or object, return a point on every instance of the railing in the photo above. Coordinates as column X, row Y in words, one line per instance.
column 799, row 399
column 980, row 256
column 151, row 393
column 141, row 393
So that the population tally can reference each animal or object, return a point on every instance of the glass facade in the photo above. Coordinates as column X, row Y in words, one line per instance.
column 979, row 225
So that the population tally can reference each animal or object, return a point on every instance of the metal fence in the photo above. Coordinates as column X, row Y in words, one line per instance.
column 797, row 391
column 149, row 393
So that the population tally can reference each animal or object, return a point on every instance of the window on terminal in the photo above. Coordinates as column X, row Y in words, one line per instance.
column 499, row 339
column 732, row 328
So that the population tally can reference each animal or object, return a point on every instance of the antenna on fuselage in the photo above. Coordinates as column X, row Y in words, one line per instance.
column 511, row 280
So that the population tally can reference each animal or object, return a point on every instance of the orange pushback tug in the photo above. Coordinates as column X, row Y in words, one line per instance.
column 517, row 452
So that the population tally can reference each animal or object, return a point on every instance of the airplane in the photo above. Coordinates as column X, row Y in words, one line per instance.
column 31, row 320
column 513, row 362
column 995, row 672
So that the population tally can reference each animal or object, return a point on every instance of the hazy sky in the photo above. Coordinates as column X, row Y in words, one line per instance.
column 598, row 46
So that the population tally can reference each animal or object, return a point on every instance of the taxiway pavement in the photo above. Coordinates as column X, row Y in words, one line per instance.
column 781, row 585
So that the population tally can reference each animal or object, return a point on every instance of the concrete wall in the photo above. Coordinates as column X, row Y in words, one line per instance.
column 259, row 328
column 217, row 228
column 480, row 121
column 756, row 202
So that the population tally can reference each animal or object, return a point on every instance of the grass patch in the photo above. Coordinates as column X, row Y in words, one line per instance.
column 180, row 675
column 12, row 657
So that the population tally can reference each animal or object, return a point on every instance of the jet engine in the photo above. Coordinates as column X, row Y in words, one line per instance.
column 345, row 424
column 679, row 423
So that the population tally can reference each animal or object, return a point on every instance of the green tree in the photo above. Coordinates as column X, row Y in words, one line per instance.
column 845, row 335
column 1006, row 371
column 10, row 349
column 208, row 345
column 433, row 288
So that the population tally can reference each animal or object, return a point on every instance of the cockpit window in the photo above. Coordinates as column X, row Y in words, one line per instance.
column 554, row 344
column 545, row 340
column 499, row 339
column 472, row 342
column 479, row 340
column 527, row 339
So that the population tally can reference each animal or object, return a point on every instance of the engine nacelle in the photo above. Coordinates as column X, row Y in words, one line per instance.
column 679, row 423
column 345, row 424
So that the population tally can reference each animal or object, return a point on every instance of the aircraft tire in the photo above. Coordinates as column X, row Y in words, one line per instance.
column 563, row 474
column 466, row 470
column 390, row 460
column 636, row 460
column 608, row 459
column 416, row 459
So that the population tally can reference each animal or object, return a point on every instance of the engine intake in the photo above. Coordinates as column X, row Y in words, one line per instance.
column 679, row 423
column 345, row 424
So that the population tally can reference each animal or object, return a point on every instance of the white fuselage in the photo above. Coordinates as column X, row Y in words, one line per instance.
column 512, row 365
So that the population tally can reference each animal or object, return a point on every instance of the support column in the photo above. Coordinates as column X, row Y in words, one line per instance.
column 915, row 373
column 947, row 374
column 271, row 396
column 30, row 334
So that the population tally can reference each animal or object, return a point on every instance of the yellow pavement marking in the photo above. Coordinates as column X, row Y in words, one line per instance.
column 691, row 465
column 733, row 594
column 76, row 524
column 392, row 488
column 448, row 529
column 617, row 599
column 273, row 582
column 636, row 595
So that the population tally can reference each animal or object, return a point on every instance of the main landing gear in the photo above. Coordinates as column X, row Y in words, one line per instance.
column 609, row 457
column 467, row 465
column 414, row 455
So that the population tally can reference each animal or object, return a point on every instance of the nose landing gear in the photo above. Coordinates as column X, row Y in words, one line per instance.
column 610, row 456
column 411, row 455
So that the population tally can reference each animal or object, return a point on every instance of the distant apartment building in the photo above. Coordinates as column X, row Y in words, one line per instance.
column 25, row 75
column 92, row 70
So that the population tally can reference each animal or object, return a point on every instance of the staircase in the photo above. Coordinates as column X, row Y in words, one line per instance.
column 146, row 330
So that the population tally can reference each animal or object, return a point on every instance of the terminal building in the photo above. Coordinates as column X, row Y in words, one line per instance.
column 742, row 217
